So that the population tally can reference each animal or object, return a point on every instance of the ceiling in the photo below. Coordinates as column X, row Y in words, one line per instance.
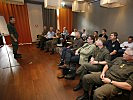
column 67, row 2
column 43, row 0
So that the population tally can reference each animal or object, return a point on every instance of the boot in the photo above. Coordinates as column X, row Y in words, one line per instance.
column 70, row 77
column 64, row 66
column 17, row 56
column 85, row 96
column 71, row 74
column 78, row 87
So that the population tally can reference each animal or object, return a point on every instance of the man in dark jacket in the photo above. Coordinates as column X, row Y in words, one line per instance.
column 113, row 45
column 69, row 51
column 14, row 36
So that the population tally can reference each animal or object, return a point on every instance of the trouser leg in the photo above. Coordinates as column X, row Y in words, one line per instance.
column 83, row 69
column 105, row 91
column 15, row 47
column 90, row 79
column 92, row 68
column 69, row 54
column 63, row 53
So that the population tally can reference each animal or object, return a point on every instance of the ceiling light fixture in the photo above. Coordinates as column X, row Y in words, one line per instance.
column 52, row 4
column 113, row 3
column 17, row 2
column 80, row 6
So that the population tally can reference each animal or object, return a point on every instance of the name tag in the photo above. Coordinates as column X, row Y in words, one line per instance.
column 122, row 65
column 113, row 45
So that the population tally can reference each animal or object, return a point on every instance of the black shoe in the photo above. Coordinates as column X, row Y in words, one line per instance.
column 17, row 56
column 62, row 67
column 70, row 77
column 78, row 87
column 61, row 64
column 85, row 96
column 60, row 76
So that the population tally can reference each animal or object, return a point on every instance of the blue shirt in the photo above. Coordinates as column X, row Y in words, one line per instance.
column 50, row 34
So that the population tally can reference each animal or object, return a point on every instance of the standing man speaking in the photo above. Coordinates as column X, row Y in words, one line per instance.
column 14, row 36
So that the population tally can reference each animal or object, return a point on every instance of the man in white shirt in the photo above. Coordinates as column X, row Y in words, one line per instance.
column 74, row 32
column 125, row 45
column 47, row 37
column 50, row 33
column 84, row 35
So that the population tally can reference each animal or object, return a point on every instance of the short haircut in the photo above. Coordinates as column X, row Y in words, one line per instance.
column 96, row 32
column 104, row 30
column 10, row 18
column 115, row 34
column 83, row 29
column 103, row 40
column 92, row 37
column 131, row 37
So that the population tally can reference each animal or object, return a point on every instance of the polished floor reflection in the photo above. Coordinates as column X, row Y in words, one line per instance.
column 33, row 77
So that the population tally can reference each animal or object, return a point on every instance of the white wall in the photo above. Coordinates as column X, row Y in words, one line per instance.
column 3, row 26
column 35, row 20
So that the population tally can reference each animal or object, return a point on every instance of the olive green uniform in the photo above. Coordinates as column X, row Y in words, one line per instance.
column 121, row 71
column 12, row 30
column 99, row 55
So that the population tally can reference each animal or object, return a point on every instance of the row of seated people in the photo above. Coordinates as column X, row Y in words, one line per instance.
column 50, row 39
column 95, row 57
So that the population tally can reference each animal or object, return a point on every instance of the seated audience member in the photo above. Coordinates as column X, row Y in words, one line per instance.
column 47, row 37
column 42, row 37
column 98, row 60
column 73, row 33
column 50, row 34
column 126, row 44
column 69, row 51
column 83, row 54
column 65, row 33
column 95, row 35
column 104, row 34
column 58, row 35
column 51, row 44
column 113, row 45
column 65, row 36
column 84, row 35
column 116, row 77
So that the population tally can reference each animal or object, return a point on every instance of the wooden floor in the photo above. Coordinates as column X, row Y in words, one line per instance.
column 33, row 77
